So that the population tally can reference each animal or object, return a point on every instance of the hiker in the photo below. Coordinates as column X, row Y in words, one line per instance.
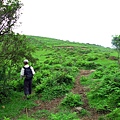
column 27, row 72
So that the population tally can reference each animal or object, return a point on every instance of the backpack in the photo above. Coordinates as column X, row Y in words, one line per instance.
column 28, row 73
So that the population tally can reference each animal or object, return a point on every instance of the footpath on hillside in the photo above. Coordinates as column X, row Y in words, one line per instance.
column 78, row 89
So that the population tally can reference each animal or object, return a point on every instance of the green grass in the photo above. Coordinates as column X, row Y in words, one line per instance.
column 52, row 61
column 40, row 114
column 15, row 105
column 106, row 62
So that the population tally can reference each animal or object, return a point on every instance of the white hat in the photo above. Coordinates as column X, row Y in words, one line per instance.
column 26, row 61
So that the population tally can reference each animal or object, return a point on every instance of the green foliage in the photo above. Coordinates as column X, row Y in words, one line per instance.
column 49, row 93
column 65, row 115
column 64, row 78
column 72, row 100
column 84, row 80
column 40, row 114
column 88, row 64
column 15, row 104
column 105, row 95
column 13, row 49
column 5, row 118
column 92, row 58
column 9, row 14
column 116, row 43
column 55, row 86
column 98, row 74
column 114, row 115
column 16, row 85
column 84, row 112
column 5, row 96
column 56, row 70
column 50, row 90
column 25, row 117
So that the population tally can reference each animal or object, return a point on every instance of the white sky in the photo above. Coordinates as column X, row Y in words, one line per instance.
column 84, row 21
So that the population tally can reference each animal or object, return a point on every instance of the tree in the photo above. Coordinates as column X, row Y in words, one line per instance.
column 13, row 50
column 9, row 14
column 13, row 47
column 116, row 44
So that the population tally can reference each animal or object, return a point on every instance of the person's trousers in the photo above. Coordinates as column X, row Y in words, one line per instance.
column 27, row 86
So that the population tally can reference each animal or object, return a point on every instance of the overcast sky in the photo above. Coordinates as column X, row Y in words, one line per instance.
column 84, row 21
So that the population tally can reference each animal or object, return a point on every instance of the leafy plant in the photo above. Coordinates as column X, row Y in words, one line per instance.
column 65, row 115
column 114, row 115
column 15, row 104
column 105, row 95
column 50, row 93
column 5, row 118
column 25, row 117
column 72, row 100
column 116, row 44
column 84, row 112
column 40, row 114
column 9, row 14
column 84, row 80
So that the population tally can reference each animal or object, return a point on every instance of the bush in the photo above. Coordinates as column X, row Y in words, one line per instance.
column 50, row 88
column 114, row 115
column 50, row 93
column 84, row 112
column 64, row 78
column 72, row 100
column 83, row 80
column 5, row 96
column 105, row 95
column 17, row 85
column 88, row 64
column 91, row 58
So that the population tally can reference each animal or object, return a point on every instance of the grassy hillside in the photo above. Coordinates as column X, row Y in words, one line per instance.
column 59, row 67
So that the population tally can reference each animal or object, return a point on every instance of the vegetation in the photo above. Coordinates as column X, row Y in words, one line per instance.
column 13, row 47
column 9, row 14
column 57, row 65
column 116, row 44
column 72, row 100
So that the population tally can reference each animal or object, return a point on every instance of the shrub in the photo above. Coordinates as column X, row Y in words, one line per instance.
column 50, row 88
column 50, row 93
column 64, row 78
column 114, row 115
column 105, row 95
column 17, row 85
column 72, row 100
column 6, row 95
column 88, row 64
column 6, row 118
column 91, row 58
column 84, row 80
column 84, row 112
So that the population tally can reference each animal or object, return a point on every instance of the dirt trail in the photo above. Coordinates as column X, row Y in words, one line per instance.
column 78, row 89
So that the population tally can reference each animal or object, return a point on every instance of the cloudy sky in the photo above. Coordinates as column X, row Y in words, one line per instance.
column 84, row 21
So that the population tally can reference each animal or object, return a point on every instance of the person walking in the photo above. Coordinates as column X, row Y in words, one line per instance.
column 27, row 72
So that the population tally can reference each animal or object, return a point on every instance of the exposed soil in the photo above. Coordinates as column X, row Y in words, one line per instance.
column 78, row 89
